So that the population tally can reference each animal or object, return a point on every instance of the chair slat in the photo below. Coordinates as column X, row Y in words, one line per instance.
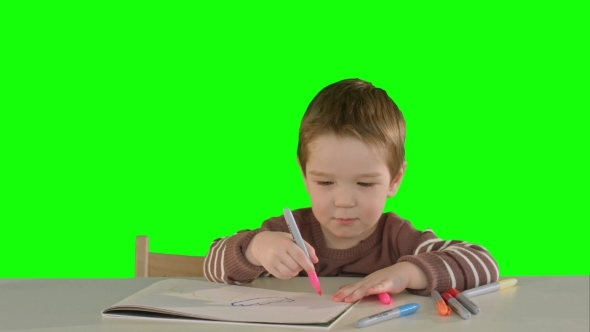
column 149, row 264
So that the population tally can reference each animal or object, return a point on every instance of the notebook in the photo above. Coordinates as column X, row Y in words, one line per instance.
column 173, row 299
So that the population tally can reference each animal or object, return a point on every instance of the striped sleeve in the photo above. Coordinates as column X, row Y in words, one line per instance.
column 446, row 263
column 226, row 261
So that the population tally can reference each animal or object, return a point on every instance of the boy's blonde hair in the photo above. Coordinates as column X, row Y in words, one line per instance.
column 356, row 108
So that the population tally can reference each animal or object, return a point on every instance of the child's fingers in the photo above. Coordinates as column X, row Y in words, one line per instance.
column 311, row 251
column 378, row 288
column 301, row 258
column 291, row 264
column 357, row 294
column 336, row 296
column 345, row 291
column 274, row 272
column 284, row 272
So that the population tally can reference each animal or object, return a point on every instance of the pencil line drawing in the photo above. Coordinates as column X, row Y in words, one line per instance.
column 208, row 294
column 261, row 301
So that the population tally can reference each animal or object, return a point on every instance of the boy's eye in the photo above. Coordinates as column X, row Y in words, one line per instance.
column 362, row 184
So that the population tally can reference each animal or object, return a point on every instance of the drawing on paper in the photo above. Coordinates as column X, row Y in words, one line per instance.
column 261, row 301
column 229, row 303
column 207, row 294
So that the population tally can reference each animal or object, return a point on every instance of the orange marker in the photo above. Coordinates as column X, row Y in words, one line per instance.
column 442, row 307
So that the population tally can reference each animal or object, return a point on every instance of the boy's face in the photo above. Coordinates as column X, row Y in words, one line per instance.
column 348, row 182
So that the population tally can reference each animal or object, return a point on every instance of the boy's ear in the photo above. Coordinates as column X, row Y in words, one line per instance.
column 397, row 180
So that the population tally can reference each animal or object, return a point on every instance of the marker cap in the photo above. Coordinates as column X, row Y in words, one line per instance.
column 315, row 282
column 507, row 283
column 407, row 309
column 385, row 298
column 446, row 296
column 453, row 292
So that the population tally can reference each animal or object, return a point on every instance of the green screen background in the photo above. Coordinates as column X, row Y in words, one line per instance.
column 180, row 122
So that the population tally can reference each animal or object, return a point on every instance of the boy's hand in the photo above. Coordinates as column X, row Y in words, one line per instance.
column 279, row 255
column 393, row 280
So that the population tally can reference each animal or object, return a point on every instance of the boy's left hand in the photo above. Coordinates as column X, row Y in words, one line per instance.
column 393, row 279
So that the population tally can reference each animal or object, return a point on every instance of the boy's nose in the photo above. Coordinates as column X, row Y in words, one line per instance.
column 343, row 199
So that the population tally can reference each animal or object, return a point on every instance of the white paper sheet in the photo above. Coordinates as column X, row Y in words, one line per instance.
column 231, row 303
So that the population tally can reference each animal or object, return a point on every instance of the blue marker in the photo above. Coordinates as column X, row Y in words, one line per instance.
column 396, row 312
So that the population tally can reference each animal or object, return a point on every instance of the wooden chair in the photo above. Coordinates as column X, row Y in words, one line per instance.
column 149, row 264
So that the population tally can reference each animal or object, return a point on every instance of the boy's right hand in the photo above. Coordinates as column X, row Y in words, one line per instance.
column 279, row 254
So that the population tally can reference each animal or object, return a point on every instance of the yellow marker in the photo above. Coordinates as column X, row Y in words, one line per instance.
column 491, row 287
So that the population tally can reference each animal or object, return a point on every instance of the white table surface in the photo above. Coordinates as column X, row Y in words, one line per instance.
column 535, row 304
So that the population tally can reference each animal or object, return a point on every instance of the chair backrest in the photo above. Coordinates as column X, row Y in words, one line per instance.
column 149, row 264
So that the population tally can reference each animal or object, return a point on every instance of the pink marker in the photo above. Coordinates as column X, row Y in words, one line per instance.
column 385, row 298
column 313, row 277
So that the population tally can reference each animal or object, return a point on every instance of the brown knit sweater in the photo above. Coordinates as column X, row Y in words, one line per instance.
column 450, row 263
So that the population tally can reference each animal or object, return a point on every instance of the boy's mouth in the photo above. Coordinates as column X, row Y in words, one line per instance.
column 345, row 221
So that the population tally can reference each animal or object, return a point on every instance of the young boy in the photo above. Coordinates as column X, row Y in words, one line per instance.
column 351, row 154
